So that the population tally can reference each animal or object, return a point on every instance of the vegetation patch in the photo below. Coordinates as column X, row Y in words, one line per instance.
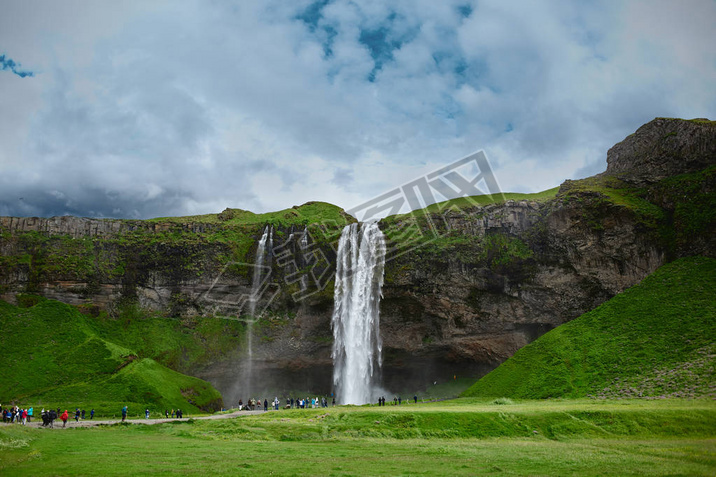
column 648, row 341
column 71, row 360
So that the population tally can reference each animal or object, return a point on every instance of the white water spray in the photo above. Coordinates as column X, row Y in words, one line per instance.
column 356, row 314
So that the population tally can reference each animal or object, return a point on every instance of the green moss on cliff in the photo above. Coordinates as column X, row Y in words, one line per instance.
column 690, row 199
column 596, row 192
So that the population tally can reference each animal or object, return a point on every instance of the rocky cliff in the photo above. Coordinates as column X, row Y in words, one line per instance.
column 487, row 279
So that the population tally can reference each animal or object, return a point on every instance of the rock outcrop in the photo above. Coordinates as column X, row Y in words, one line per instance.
column 663, row 148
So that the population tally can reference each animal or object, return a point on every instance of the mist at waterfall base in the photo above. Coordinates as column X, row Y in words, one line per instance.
column 357, row 345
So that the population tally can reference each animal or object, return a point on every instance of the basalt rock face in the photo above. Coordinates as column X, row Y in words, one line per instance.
column 663, row 148
column 460, row 306
column 486, row 281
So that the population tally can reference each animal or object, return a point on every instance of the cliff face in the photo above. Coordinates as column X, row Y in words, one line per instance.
column 663, row 148
column 489, row 280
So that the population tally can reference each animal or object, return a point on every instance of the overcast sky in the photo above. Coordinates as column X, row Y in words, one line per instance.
column 157, row 108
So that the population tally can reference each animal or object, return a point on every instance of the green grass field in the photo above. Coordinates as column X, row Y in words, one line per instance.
column 460, row 437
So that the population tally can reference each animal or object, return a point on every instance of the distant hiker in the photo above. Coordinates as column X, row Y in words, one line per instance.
column 334, row 401
column 146, row 414
column 29, row 415
column 24, row 417
column 64, row 418
column 180, row 414
column 92, row 414
column 172, row 413
column 52, row 415
column 265, row 404
column 166, row 413
column 83, row 414
column 77, row 415
column 395, row 401
column 124, row 413
column 400, row 401
column 415, row 398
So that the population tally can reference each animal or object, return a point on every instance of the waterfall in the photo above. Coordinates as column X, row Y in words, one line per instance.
column 261, row 255
column 258, row 268
column 304, row 248
column 356, row 315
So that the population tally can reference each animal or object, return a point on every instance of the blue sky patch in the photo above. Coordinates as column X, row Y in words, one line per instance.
column 9, row 64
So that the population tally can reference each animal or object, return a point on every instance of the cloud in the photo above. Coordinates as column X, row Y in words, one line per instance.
column 9, row 64
column 183, row 108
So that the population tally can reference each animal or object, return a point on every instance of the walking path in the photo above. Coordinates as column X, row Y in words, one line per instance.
column 98, row 422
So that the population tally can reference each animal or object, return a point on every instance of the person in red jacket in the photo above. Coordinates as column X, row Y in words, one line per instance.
column 64, row 417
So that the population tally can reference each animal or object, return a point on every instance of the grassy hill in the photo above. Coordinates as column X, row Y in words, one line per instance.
column 657, row 339
column 53, row 355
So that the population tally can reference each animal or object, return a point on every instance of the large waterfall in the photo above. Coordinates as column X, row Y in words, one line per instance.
column 356, row 315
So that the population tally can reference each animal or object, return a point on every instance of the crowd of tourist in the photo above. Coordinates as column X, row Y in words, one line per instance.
column 290, row 403
column 305, row 403
column 17, row 415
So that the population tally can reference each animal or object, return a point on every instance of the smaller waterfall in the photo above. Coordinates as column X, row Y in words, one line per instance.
column 261, row 257
column 304, row 248
column 356, row 314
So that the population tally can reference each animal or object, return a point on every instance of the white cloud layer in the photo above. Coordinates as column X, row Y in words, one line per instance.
column 141, row 109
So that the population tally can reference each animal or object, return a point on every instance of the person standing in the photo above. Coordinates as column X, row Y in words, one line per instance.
column 124, row 413
column 64, row 418
column 83, row 414
column 77, row 415
column 24, row 417
column 29, row 415
column 265, row 404
column 146, row 414
column 92, row 414
column 415, row 398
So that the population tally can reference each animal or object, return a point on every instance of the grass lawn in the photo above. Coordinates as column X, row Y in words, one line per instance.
column 461, row 437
